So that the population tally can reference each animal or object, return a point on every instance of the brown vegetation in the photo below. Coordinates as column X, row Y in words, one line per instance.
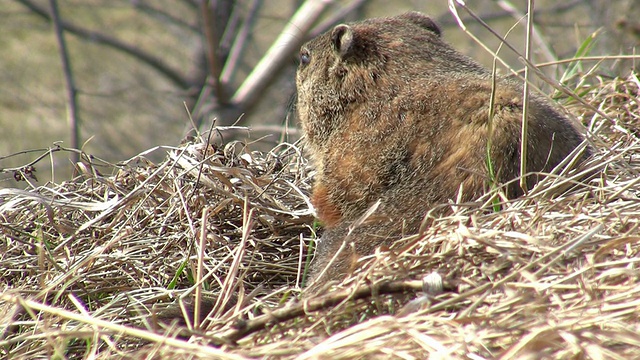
column 84, row 262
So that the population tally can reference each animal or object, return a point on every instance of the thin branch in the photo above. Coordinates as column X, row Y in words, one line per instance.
column 554, row 83
column 71, row 92
column 542, row 46
column 525, row 98
column 289, row 40
column 48, row 152
column 211, row 18
column 239, row 44
column 560, row 7
column 153, row 61
column 585, row 58
column 164, row 16
column 336, row 17
column 322, row 302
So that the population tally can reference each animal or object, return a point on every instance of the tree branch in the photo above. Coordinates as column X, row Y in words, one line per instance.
column 100, row 38
column 239, row 43
column 446, row 20
column 291, row 37
column 213, row 14
column 164, row 16
column 72, row 94
column 336, row 17
column 319, row 303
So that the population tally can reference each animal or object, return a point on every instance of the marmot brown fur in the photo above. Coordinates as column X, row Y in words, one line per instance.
column 393, row 113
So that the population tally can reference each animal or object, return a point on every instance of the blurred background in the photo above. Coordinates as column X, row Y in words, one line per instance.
column 146, row 73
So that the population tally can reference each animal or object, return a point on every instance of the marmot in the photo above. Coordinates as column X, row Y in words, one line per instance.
column 392, row 113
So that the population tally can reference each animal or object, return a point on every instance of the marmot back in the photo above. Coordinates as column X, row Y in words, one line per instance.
column 393, row 113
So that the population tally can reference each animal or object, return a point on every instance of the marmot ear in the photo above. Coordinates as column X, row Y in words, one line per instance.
column 423, row 21
column 342, row 40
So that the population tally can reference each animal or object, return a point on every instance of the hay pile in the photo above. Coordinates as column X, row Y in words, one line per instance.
column 86, row 266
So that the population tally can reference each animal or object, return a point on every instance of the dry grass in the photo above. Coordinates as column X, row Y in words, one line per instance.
column 85, row 263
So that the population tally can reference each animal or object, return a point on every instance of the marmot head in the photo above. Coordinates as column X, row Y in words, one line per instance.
column 353, row 64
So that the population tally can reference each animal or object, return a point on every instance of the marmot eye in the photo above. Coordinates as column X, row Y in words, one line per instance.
column 305, row 57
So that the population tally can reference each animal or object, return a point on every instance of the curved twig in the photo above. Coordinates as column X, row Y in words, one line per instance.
column 318, row 303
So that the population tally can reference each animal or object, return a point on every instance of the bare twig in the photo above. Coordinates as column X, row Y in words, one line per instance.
column 542, row 46
column 164, row 16
column 322, row 302
column 155, row 62
column 586, row 58
column 239, row 43
column 554, row 83
column 557, row 8
column 290, row 39
column 525, row 98
column 336, row 17
column 213, row 14
column 70, row 87
column 200, row 267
